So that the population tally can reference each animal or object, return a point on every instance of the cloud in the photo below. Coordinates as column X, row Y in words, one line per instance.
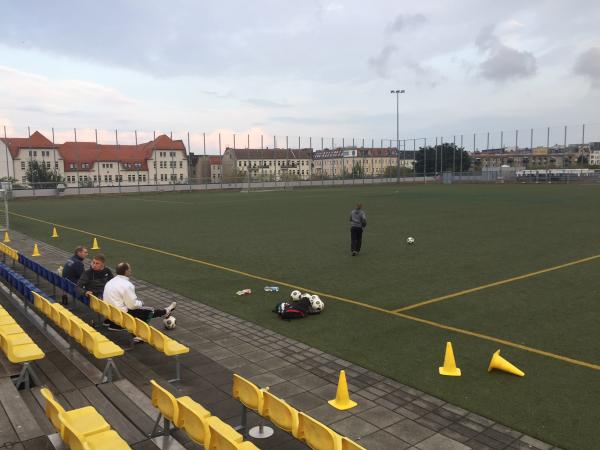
column 503, row 63
column 264, row 103
column 380, row 62
column 403, row 21
column 588, row 66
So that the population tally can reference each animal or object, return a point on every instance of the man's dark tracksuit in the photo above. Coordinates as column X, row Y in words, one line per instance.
column 72, row 271
column 358, row 221
column 95, row 280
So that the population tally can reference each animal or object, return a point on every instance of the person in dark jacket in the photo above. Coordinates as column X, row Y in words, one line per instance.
column 358, row 221
column 73, row 268
column 94, row 279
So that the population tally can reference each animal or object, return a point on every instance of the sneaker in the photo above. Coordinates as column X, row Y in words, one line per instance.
column 106, row 323
column 114, row 327
column 353, row 253
column 138, row 340
column 169, row 309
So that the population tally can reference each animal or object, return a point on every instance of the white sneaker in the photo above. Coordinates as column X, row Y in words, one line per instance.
column 169, row 309
column 137, row 340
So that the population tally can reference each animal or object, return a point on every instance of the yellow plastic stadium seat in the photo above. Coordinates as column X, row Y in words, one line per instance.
column 347, row 444
column 165, row 402
column 165, row 344
column 116, row 315
column 3, row 312
column 47, row 309
column 193, row 419
column 317, row 435
column 6, row 320
column 222, row 435
column 55, row 309
column 100, row 346
column 24, row 353
column 142, row 330
column 247, row 445
column 104, row 309
column 248, row 393
column 65, row 321
column 280, row 413
column 12, row 328
column 84, row 420
column 37, row 301
column 129, row 323
column 76, row 331
column 14, row 339
column 103, row 440
column 95, row 303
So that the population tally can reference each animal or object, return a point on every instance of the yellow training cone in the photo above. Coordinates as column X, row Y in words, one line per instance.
column 449, row 368
column 36, row 251
column 95, row 245
column 6, row 237
column 499, row 363
column 342, row 398
column 54, row 232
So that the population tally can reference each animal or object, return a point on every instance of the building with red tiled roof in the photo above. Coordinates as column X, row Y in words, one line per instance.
column 17, row 153
column 160, row 161
column 373, row 162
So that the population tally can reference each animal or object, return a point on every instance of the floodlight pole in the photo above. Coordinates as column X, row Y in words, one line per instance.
column 397, row 92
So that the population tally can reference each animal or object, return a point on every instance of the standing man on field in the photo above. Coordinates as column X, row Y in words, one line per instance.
column 358, row 221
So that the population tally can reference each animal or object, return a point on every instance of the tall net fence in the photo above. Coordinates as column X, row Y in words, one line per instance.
column 38, row 161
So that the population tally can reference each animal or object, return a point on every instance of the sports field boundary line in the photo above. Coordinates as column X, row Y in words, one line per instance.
column 431, row 323
column 494, row 284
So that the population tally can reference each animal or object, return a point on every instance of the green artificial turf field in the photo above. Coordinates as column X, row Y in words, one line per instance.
column 467, row 236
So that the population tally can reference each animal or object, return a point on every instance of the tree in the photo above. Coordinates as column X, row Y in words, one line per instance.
column 444, row 157
column 41, row 177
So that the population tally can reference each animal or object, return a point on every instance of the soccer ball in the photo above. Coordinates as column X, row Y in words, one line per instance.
column 295, row 295
column 169, row 322
column 316, row 304
column 306, row 296
column 410, row 240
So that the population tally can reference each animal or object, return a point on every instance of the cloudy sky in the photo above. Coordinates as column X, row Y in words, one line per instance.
column 312, row 68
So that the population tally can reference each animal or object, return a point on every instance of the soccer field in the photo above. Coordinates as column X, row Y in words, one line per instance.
column 510, row 267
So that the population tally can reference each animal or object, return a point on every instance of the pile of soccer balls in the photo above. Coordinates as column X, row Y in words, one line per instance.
column 316, row 304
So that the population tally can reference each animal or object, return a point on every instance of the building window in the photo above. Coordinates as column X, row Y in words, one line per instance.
column 181, row 164
column 72, row 166
column 22, row 165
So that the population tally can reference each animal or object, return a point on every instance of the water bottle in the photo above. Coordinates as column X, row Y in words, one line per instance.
column 271, row 288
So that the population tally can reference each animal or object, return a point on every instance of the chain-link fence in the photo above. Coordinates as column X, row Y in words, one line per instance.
column 84, row 161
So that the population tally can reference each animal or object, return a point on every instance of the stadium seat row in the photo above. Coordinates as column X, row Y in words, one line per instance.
column 82, row 428
column 52, row 277
column 94, row 342
column 202, row 427
column 18, row 282
column 8, row 251
column 140, row 329
column 15, row 343
column 315, row 434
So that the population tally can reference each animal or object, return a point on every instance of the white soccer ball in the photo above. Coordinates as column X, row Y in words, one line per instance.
column 316, row 304
column 410, row 240
column 169, row 322
column 306, row 296
column 295, row 295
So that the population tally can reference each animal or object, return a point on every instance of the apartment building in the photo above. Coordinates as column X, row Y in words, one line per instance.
column 268, row 164
column 374, row 162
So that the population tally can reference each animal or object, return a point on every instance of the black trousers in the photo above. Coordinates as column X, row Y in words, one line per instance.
column 146, row 313
column 355, row 238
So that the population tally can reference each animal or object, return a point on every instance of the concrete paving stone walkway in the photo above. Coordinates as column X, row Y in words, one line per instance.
column 389, row 415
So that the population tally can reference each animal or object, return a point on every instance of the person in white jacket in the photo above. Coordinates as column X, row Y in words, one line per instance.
column 120, row 292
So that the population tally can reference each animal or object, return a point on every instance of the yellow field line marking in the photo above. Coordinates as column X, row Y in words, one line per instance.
column 335, row 297
column 497, row 283
column 500, row 341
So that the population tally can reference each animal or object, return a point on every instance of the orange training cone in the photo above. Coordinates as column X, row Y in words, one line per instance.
column 449, row 368
column 342, row 397
column 95, row 245
column 499, row 363
column 6, row 237
column 54, row 232
column 36, row 250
